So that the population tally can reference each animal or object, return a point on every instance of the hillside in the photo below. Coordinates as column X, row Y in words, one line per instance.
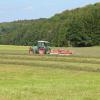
column 77, row 27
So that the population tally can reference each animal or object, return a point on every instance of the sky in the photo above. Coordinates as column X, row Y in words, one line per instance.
column 11, row 10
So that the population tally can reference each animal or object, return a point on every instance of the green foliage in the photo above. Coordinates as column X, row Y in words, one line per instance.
column 78, row 27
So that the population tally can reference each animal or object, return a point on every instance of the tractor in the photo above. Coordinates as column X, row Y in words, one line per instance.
column 42, row 47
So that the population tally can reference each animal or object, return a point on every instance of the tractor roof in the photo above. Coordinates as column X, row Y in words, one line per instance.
column 44, row 41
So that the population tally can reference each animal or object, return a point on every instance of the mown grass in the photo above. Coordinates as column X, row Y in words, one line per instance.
column 34, row 77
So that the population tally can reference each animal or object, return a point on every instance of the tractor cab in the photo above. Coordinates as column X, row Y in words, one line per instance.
column 42, row 44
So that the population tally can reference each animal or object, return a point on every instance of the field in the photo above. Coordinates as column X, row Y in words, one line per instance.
column 34, row 77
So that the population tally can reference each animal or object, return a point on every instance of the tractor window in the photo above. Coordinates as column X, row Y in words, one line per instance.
column 40, row 44
column 45, row 44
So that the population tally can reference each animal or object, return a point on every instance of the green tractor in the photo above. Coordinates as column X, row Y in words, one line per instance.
column 42, row 47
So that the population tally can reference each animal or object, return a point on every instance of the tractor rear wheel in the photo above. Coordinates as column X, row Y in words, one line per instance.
column 30, row 50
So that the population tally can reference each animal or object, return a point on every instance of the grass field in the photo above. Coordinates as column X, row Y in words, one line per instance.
column 33, row 77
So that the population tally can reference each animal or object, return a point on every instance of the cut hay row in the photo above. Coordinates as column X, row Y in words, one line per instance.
column 14, row 52
column 54, row 64
column 68, row 62
column 53, row 58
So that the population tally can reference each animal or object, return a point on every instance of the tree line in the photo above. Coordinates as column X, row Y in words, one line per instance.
column 79, row 27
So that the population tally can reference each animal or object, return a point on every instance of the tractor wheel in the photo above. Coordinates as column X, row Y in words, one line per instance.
column 30, row 50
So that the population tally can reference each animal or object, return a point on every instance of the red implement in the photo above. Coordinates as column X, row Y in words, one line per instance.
column 61, row 52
